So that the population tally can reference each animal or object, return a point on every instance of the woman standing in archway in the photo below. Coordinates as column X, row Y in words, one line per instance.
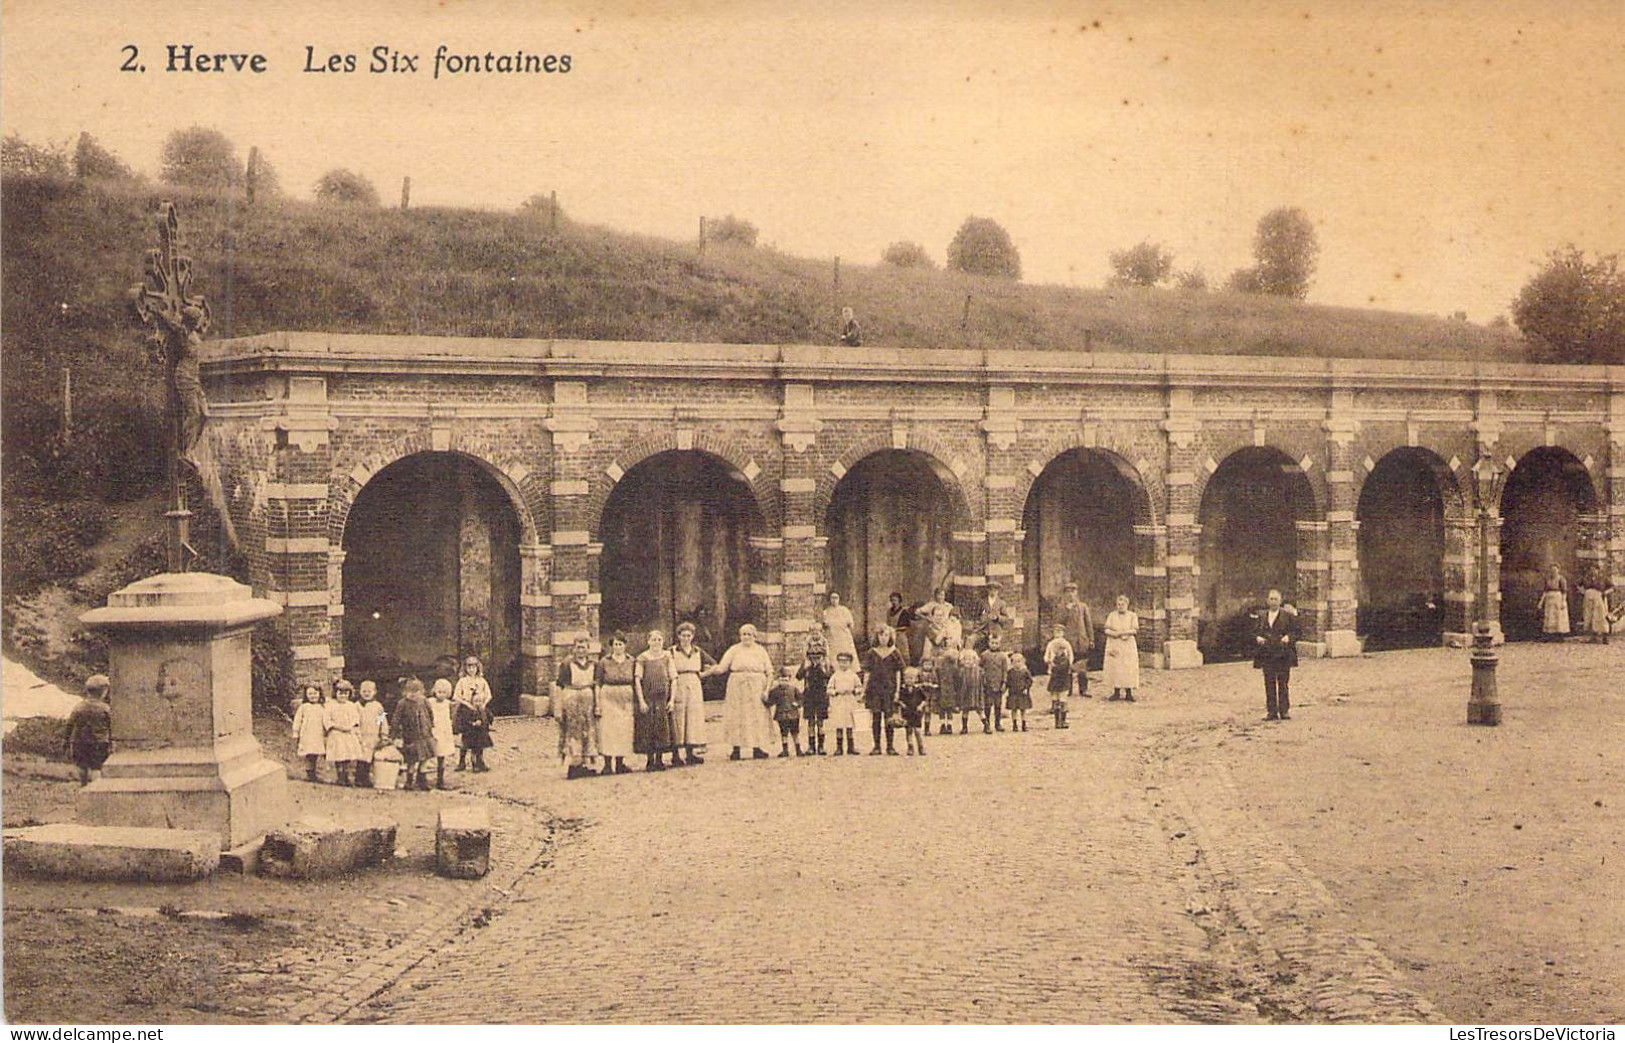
column 688, row 664
column 746, row 720
column 1554, row 605
column 1122, row 651
column 838, row 624
column 651, row 683
column 614, row 707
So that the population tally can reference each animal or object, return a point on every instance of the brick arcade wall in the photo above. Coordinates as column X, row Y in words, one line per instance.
column 301, row 424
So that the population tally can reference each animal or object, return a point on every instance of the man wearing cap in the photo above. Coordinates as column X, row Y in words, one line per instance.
column 1080, row 633
column 90, row 730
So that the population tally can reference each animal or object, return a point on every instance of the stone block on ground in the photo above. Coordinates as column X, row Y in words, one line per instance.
column 314, row 847
column 72, row 851
column 535, row 705
column 462, row 843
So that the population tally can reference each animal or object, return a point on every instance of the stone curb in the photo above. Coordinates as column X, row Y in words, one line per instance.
column 1343, row 976
column 362, row 982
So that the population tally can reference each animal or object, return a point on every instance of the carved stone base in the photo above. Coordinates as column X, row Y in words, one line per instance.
column 1181, row 655
column 1342, row 643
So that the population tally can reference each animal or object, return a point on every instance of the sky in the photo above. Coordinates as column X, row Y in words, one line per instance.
column 1440, row 148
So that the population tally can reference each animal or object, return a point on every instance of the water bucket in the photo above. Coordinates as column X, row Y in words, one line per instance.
column 386, row 769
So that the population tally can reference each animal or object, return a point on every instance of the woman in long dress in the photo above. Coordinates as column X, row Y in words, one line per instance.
column 613, row 707
column 688, row 664
column 573, row 707
column 1554, row 606
column 747, row 723
column 651, row 684
column 1122, row 651
column 838, row 624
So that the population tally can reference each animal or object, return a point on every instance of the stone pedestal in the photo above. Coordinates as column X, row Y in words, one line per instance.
column 185, row 756
column 1342, row 643
column 1181, row 655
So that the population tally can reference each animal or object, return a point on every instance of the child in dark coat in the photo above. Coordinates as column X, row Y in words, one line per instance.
column 90, row 729
column 1018, row 683
column 913, row 699
column 814, row 676
column 414, row 726
column 784, row 699
column 472, row 723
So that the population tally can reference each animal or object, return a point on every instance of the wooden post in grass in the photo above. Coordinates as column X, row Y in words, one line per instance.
column 67, row 405
column 702, row 235
column 406, row 192
column 837, row 290
column 252, row 178
column 553, row 211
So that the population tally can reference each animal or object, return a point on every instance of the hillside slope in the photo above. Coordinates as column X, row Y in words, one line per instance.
column 70, row 251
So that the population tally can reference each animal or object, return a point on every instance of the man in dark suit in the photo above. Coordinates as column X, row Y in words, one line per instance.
column 1275, row 651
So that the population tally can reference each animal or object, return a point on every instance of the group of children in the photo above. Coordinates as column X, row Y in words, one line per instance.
column 351, row 734
column 951, row 680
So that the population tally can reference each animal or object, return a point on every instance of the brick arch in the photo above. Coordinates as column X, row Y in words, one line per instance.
column 756, row 476
column 1457, row 497
column 344, row 488
column 1595, row 498
column 1151, row 506
column 936, row 453
column 1313, row 480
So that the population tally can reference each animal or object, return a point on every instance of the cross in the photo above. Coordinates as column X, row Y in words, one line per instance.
column 164, row 296
column 176, row 320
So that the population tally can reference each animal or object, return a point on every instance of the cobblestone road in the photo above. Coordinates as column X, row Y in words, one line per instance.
column 1004, row 878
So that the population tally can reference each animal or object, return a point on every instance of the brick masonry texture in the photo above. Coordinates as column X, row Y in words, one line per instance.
column 583, row 415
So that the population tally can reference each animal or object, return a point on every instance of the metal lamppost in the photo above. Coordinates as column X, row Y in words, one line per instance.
column 1483, row 706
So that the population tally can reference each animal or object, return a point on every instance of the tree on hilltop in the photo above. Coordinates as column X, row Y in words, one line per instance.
column 1144, row 264
column 91, row 160
column 983, row 247
column 1287, row 251
column 1573, row 310
column 200, row 157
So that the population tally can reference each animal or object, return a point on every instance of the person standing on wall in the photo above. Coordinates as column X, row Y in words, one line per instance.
column 1275, row 651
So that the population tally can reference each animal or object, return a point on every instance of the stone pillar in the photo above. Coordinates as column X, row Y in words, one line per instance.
column 1182, row 537
column 1313, row 588
column 573, row 571
column 335, row 606
column 767, row 591
column 535, row 611
column 1342, row 535
column 1614, row 486
column 296, row 545
column 1002, row 529
column 802, row 576
column 185, row 756
column 1150, row 592
column 1460, row 578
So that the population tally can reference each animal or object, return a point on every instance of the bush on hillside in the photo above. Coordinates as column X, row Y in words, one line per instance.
column 47, row 541
column 346, row 188
column 1193, row 279
column 91, row 160
column 24, row 159
column 907, row 254
column 731, row 229
column 115, row 453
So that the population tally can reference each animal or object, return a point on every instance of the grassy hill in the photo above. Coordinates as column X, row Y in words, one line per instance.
column 293, row 265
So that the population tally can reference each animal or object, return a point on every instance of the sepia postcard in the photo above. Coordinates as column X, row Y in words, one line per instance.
column 677, row 513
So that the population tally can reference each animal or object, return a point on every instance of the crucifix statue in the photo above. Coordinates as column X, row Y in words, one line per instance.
column 176, row 322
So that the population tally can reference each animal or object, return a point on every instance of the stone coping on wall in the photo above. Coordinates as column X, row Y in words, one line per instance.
column 323, row 353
